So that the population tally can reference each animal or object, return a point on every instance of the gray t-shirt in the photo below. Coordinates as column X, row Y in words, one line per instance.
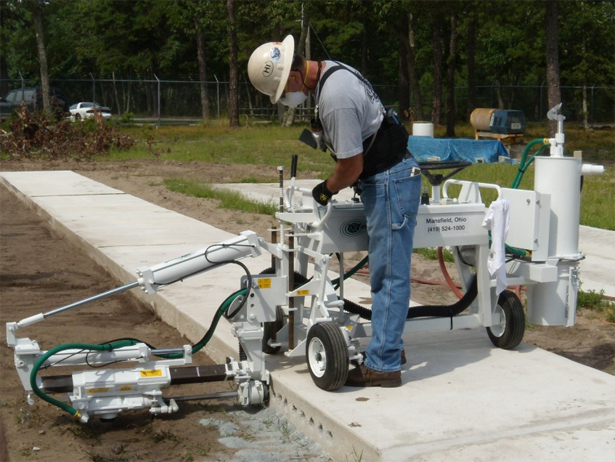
column 349, row 110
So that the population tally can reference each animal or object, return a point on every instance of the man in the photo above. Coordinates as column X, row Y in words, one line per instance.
column 371, row 153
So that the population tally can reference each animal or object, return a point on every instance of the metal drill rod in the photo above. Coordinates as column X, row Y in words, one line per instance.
column 42, row 316
column 108, row 293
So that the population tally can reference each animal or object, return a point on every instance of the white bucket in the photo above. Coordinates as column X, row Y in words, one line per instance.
column 422, row 129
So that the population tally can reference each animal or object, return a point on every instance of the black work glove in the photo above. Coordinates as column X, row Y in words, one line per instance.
column 321, row 193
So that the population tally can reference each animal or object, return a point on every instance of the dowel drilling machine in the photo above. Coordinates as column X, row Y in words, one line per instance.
column 296, row 308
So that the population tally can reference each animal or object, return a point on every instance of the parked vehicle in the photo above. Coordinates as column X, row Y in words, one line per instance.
column 84, row 110
column 33, row 96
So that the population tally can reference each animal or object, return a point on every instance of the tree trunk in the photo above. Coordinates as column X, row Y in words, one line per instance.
column 200, row 45
column 584, row 107
column 117, row 98
column 404, row 84
column 498, row 94
column 436, row 111
column 407, row 38
column 471, row 68
column 233, row 66
column 554, row 95
column 364, row 56
column 37, row 19
column 305, row 25
column 4, row 74
column 450, row 80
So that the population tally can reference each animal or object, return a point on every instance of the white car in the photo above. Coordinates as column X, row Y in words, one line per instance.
column 80, row 111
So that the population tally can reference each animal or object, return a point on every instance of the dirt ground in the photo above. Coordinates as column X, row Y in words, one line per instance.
column 40, row 272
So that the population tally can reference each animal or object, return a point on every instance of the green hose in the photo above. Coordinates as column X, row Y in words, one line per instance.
column 523, row 166
column 81, row 346
column 522, row 163
column 119, row 344
column 210, row 332
column 357, row 267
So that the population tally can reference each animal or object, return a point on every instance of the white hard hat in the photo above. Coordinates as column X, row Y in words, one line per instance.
column 269, row 67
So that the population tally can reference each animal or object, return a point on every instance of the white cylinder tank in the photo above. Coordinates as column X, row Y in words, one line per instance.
column 422, row 129
column 554, row 303
column 561, row 178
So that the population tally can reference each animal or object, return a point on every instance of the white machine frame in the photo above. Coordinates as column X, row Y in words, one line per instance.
column 288, row 312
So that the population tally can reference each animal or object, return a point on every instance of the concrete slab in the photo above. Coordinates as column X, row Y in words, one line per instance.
column 462, row 399
column 598, row 268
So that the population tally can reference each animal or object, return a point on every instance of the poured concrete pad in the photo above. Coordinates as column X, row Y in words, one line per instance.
column 461, row 398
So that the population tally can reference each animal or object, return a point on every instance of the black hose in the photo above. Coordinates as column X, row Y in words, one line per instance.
column 435, row 311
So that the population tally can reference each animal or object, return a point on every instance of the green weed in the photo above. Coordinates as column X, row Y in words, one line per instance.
column 228, row 199
column 431, row 253
column 596, row 301
column 29, row 416
column 356, row 457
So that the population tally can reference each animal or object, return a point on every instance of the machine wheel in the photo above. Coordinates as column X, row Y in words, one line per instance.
column 509, row 333
column 327, row 356
column 271, row 328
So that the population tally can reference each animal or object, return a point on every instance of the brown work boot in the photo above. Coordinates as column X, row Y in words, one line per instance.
column 363, row 376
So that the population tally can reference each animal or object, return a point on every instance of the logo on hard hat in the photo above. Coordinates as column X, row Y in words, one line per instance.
column 268, row 69
column 353, row 227
column 275, row 54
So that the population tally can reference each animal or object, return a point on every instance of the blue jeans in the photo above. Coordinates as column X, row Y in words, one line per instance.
column 391, row 201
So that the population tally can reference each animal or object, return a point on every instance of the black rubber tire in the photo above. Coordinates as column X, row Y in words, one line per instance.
column 326, row 355
column 271, row 328
column 514, row 322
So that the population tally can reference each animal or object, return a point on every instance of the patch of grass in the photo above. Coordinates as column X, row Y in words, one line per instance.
column 272, row 145
column 285, row 429
column 252, row 179
column 228, row 199
column 431, row 253
column 596, row 301
column 29, row 416
column 356, row 456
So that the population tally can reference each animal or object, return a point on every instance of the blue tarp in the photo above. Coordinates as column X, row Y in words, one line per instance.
column 476, row 151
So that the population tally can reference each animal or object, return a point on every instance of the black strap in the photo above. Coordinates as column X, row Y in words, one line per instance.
column 340, row 66
column 326, row 75
column 323, row 78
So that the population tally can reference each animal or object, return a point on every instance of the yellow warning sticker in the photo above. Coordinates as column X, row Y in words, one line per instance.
column 303, row 292
column 125, row 388
column 264, row 283
column 151, row 373
column 98, row 390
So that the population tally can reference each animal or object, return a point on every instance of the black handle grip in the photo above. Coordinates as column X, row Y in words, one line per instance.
column 293, row 166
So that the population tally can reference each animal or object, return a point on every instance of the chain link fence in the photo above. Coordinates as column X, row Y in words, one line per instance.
column 177, row 100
